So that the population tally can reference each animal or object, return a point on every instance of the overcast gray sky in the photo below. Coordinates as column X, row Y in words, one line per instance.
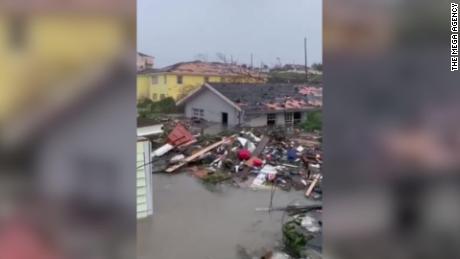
column 179, row 30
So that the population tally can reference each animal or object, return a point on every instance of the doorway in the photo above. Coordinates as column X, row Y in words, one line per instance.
column 224, row 118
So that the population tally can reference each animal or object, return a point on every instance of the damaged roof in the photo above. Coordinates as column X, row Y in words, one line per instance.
column 260, row 98
column 267, row 97
column 211, row 69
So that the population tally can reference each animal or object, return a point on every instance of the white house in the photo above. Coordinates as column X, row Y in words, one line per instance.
column 144, row 61
column 253, row 105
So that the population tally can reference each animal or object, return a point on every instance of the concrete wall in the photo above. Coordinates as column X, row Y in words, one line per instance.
column 143, row 87
column 167, row 84
column 259, row 121
column 213, row 107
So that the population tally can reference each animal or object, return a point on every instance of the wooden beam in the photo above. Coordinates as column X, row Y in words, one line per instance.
column 198, row 154
column 312, row 185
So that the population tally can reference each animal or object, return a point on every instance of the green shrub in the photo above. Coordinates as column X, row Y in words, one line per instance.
column 313, row 122
column 147, row 108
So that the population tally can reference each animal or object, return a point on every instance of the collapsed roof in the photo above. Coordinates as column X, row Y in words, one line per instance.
column 267, row 97
column 262, row 98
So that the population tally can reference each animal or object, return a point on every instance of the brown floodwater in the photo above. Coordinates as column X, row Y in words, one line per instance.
column 193, row 221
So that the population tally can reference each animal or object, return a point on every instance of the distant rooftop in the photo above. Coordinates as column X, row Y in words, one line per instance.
column 211, row 69
column 144, row 55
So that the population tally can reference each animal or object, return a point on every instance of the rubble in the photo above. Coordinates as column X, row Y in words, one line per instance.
column 250, row 158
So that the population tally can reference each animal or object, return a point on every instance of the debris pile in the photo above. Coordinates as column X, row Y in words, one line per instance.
column 302, row 233
column 249, row 158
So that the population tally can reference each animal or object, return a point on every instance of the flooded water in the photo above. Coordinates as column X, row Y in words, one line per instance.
column 194, row 222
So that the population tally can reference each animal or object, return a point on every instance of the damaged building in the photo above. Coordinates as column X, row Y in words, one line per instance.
column 252, row 105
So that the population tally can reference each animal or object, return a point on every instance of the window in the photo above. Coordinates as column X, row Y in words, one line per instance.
column 179, row 79
column 297, row 118
column 162, row 96
column 198, row 113
column 154, row 80
column 154, row 97
column 165, row 79
column 271, row 119
column 288, row 118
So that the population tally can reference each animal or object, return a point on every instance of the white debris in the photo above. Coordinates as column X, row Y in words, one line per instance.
column 162, row 150
column 310, row 224
column 268, row 169
column 259, row 182
column 248, row 144
column 251, row 146
column 150, row 130
column 279, row 255
column 177, row 158
column 242, row 141
column 254, row 137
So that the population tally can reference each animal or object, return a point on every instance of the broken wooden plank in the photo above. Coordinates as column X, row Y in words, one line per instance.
column 312, row 185
column 193, row 141
column 198, row 154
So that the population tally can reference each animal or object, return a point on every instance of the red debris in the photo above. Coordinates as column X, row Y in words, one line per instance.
column 288, row 103
column 244, row 154
column 179, row 135
column 257, row 162
column 254, row 162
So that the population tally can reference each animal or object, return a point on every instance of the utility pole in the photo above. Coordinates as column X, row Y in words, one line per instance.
column 306, row 63
column 252, row 61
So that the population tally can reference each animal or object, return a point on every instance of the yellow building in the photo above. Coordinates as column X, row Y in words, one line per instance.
column 179, row 79
column 46, row 46
column 143, row 86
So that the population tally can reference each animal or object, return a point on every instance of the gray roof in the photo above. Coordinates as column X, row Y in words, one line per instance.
column 144, row 55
